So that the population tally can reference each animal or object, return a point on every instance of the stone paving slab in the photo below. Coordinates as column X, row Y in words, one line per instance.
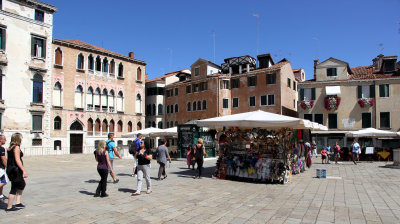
column 60, row 190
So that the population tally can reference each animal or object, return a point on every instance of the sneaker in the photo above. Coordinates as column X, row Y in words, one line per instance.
column 116, row 181
column 104, row 195
column 11, row 209
column 20, row 206
column 3, row 197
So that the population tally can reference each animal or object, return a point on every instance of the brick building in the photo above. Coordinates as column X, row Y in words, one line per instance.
column 235, row 87
column 94, row 92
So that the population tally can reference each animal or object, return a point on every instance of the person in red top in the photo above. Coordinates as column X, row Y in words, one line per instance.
column 323, row 155
column 337, row 152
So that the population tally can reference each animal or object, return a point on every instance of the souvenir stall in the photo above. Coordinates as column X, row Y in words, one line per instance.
column 258, row 146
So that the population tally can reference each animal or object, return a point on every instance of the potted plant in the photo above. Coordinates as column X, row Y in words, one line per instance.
column 332, row 102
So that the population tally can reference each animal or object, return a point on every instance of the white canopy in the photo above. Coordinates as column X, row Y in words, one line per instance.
column 145, row 132
column 259, row 119
column 332, row 90
column 165, row 132
column 372, row 132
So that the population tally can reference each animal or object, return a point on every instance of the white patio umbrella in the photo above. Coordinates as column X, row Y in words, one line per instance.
column 372, row 132
column 258, row 119
column 165, row 132
column 145, row 132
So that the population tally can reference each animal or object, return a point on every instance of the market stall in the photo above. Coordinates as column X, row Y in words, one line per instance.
column 258, row 146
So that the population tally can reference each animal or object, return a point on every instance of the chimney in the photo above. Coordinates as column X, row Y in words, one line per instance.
column 132, row 55
column 315, row 68
column 146, row 76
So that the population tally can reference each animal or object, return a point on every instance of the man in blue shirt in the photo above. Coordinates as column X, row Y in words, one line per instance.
column 112, row 149
column 137, row 142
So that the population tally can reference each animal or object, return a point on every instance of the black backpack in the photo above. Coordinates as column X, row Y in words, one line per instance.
column 132, row 148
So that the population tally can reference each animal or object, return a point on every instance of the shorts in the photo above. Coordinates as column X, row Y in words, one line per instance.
column 323, row 157
column 135, row 162
column 337, row 155
column 112, row 164
column 355, row 154
column 18, row 185
column 3, row 178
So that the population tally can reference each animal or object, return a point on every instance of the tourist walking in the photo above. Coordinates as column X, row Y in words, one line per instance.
column 355, row 150
column 308, row 154
column 15, row 172
column 199, row 152
column 3, row 165
column 323, row 155
column 144, row 158
column 112, row 149
column 189, row 158
column 336, row 151
column 162, row 156
column 103, row 165
column 314, row 148
column 328, row 150
column 136, row 143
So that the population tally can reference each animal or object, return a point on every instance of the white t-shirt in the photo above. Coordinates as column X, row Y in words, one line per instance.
column 356, row 147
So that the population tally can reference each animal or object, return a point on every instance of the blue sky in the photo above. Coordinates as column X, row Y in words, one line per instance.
column 171, row 35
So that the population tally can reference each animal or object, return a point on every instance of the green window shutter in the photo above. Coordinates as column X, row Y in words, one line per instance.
column 312, row 93
column 372, row 91
column 359, row 91
column 381, row 90
column 32, row 46
column 44, row 48
column 301, row 94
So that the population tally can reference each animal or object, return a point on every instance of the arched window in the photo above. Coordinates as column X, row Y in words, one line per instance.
column 120, row 101
column 37, row 88
column 120, row 70
column 198, row 105
column 89, row 98
column 76, row 126
column 105, row 65
column 129, row 126
column 111, row 96
column 176, row 123
column 81, row 61
column 153, row 109
column 153, row 124
column 96, row 99
column 167, row 109
column 98, row 64
column 79, row 97
column 104, row 126
column 160, row 124
column 112, row 67
column 57, row 96
column 160, row 109
column 57, row 144
column 97, row 127
column 139, row 126
column 104, row 103
column 138, row 103
column 119, row 124
column 167, row 124
column 90, row 63
column 189, row 107
column 171, row 124
column 204, row 104
column 176, row 108
column 90, row 127
column 139, row 74
column 111, row 127
column 194, row 106
column 57, row 123
column 58, row 59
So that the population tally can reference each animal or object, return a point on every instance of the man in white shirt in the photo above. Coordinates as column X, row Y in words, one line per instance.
column 356, row 148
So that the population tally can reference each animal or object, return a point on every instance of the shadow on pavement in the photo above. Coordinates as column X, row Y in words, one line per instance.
column 124, row 175
column 92, row 181
column 189, row 173
column 87, row 193
column 390, row 166
column 126, row 190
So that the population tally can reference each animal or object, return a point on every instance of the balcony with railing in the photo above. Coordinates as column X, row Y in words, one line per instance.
column 97, row 108
column 111, row 109
column 104, row 109
column 89, row 107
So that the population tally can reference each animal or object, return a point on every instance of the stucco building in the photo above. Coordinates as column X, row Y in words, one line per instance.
column 26, row 29
column 94, row 92
column 235, row 87
column 347, row 99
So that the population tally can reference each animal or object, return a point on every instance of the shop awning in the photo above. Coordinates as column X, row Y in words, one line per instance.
column 171, row 132
column 332, row 90
column 145, row 132
column 259, row 119
column 372, row 132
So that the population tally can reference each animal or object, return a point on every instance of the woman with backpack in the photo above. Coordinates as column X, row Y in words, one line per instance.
column 103, row 165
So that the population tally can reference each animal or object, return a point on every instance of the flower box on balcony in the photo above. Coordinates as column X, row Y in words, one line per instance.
column 307, row 104
column 332, row 102
column 366, row 102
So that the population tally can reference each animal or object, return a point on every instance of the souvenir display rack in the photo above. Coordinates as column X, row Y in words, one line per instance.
column 256, row 154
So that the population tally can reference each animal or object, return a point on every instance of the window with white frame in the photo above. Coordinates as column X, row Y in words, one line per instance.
column 111, row 96
column 104, row 100
column 197, row 71
column 120, row 101
column 225, row 103
column 252, row 101
column 79, row 97
column 37, row 122
column 58, row 57
column 57, row 94
column 138, row 103
column 225, row 84
column 39, row 15
column 96, row 99
column 235, row 102
column 89, row 99
column 38, row 47
column 267, row 100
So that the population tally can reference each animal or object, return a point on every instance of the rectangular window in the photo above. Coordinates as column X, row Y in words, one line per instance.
column 2, row 38
column 196, row 71
column 366, row 91
column 203, row 86
column 36, row 142
column 225, row 103
column 384, row 90
column 308, row 117
column 366, row 120
column 307, row 94
column 264, row 100
column 176, row 91
column 168, row 93
column 385, row 120
column 252, row 81
column 235, row 83
column 331, row 72
column 294, row 85
column 38, row 47
column 319, row 118
column 39, row 15
column 289, row 83
column 235, row 102
column 252, row 101
column 188, row 89
column 36, row 122
column 195, row 88
column 224, row 84
column 332, row 121
column 271, row 78
column 271, row 100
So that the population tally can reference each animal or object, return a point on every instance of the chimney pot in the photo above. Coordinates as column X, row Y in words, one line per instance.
column 316, row 61
column 131, row 54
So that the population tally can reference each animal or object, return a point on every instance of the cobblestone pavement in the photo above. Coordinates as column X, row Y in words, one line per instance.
column 60, row 190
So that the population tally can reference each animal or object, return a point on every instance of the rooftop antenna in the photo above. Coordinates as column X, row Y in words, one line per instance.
column 213, row 35
column 258, row 30
column 170, row 58
column 317, row 46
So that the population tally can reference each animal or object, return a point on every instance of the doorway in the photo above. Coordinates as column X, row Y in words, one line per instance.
column 76, row 143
